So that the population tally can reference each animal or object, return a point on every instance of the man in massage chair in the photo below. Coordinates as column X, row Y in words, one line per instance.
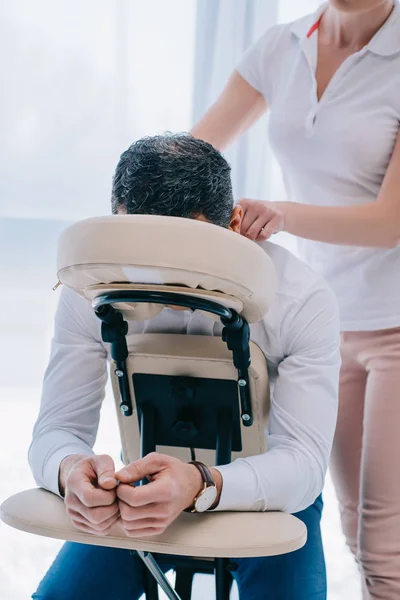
column 179, row 175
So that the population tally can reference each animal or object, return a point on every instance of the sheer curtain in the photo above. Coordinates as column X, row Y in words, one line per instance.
column 225, row 28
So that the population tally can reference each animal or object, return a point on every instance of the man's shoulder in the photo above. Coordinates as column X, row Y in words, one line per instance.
column 75, row 313
column 74, row 301
column 304, row 308
column 295, row 280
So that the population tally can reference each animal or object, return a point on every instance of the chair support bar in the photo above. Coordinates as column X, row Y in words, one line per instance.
column 223, row 452
column 113, row 331
column 167, row 298
column 150, row 562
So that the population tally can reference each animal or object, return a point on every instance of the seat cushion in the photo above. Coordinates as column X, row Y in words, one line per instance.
column 219, row 535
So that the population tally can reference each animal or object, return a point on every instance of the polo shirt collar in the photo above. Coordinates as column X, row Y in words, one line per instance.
column 302, row 28
column 385, row 42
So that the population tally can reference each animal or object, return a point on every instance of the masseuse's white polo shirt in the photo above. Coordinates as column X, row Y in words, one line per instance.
column 335, row 152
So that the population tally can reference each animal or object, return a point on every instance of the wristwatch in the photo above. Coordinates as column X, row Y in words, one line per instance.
column 208, row 494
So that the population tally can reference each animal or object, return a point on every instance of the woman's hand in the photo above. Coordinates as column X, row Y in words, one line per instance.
column 260, row 220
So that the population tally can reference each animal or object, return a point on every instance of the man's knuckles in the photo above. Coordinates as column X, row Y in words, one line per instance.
column 88, row 497
column 91, row 530
column 81, row 521
column 93, row 497
column 129, row 514
column 102, row 461
column 97, row 516
column 99, row 528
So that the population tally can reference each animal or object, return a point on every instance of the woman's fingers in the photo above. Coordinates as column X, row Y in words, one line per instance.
column 261, row 220
column 251, row 214
column 257, row 228
column 274, row 225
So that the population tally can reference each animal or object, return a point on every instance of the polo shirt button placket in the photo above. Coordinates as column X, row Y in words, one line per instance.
column 311, row 120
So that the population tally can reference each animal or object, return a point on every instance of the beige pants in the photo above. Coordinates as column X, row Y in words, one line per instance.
column 366, row 457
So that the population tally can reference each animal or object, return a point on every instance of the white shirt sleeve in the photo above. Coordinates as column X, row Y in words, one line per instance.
column 73, row 391
column 291, row 474
column 303, row 406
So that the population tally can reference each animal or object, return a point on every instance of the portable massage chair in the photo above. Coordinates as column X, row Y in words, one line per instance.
column 181, row 395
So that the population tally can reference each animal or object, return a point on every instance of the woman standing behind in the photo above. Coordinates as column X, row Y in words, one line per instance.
column 332, row 83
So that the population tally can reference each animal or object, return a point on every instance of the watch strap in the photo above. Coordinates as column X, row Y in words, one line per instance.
column 205, row 473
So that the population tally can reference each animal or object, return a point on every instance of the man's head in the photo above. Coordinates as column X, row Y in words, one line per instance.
column 178, row 176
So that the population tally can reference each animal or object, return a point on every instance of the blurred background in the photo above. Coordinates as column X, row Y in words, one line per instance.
column 80, row 82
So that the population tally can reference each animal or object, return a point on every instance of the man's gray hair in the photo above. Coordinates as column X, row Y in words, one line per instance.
column 173, row 175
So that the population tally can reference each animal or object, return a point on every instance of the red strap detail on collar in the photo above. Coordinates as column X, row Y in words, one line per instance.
column 314, row 28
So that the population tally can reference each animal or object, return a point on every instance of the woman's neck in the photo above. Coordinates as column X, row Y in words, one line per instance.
column 353, row 30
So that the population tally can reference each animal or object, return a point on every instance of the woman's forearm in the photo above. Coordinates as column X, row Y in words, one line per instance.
column 370, row 225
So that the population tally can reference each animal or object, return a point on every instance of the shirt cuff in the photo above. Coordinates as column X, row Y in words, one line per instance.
column 240, row 488
column 46, row 454
column 52, row 466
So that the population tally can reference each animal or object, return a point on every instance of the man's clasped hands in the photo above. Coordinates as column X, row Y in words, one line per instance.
column 97, row 497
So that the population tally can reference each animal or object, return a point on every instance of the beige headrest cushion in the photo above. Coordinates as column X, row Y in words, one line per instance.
column 166, row 251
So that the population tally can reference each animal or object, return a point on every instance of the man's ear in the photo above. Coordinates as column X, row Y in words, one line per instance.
column 236, row 219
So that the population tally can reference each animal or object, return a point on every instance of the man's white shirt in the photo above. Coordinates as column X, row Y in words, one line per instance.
column 299, row 337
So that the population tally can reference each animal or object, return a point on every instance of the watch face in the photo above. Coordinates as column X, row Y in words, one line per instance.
column 206, row 499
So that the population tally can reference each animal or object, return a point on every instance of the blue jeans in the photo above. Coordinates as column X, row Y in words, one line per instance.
column 83, row 572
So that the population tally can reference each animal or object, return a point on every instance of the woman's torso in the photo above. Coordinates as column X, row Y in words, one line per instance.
column 336, row 152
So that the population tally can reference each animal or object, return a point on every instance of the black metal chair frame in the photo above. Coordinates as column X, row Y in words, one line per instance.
column 194, row 426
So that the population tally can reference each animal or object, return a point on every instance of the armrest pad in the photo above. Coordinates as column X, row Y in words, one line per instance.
column 213, row 535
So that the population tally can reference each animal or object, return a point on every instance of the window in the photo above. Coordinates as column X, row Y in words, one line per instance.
column 83, row 80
